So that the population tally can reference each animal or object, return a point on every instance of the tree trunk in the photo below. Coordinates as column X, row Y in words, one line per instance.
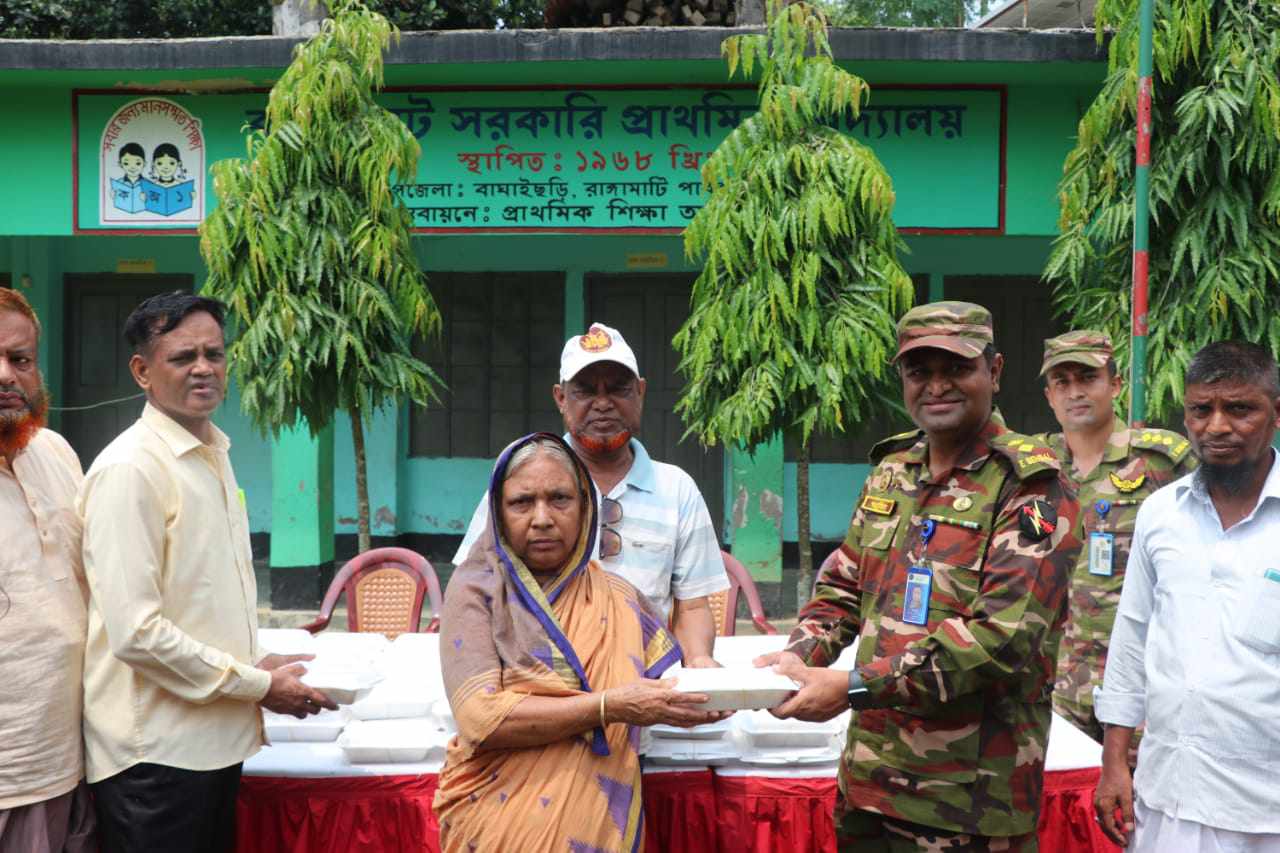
column 362, row 484
column 804, row 583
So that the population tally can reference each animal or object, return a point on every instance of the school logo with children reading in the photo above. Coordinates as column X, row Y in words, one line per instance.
column 152, row 165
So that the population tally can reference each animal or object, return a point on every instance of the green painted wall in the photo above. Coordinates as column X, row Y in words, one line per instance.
column 438, row 495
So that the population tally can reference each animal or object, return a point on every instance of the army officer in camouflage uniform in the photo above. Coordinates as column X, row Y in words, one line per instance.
column 1113, row 469
column 953, row 580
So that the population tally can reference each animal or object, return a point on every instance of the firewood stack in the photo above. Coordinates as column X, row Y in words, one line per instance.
column 640, row 13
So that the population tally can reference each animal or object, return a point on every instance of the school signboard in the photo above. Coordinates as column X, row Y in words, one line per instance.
column 566, row 160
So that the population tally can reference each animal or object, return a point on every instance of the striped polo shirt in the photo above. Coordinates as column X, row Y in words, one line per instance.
column 669, row 547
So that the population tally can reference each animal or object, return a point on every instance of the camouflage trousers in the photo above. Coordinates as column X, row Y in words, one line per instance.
column 859, row 831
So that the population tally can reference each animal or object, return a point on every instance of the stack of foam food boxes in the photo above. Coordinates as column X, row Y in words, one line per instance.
column 391, row 696
column 751, row 735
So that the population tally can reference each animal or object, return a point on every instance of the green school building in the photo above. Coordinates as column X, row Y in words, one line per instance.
column 558, row 169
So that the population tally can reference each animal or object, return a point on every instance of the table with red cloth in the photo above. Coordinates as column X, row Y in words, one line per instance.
column 784, row 810
column 307, row 798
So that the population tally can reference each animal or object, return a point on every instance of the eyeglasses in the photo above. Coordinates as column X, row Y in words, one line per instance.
column 610, row 539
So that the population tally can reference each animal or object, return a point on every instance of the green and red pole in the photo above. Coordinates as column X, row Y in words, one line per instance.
column 1141, row 222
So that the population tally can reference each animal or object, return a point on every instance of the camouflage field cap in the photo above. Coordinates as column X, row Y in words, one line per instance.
column 959, row 327
column 1083, row 346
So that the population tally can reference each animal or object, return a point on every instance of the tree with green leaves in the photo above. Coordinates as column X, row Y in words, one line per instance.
column 311, row 249
column 792, row 319
column 1215, row 187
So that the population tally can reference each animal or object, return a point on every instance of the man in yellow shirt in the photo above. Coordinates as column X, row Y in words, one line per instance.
column 44, row 805
column 173, row 676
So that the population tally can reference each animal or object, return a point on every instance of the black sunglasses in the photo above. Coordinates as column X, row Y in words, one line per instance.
column 610, row 539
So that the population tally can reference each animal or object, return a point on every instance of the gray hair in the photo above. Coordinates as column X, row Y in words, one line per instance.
column 542, row 447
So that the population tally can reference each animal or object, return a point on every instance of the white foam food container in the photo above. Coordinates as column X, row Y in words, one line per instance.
column 323, row 727
column 707, row 731
column 341, row 684
column 391, row 741
column 442, row 714
column 352, row 650
column 286, row 641
column 741, row 649
column 736, row 689
column 395, row 698
column 697, row 752
column 763, row 730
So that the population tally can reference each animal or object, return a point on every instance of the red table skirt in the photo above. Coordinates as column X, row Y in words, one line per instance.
column 687, row 812
column 766, row 815
column 1066, row 814
column 370, row 814
column 680, row 812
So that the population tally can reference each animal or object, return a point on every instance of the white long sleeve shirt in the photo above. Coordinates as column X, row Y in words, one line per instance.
column 1195, row 652
column 173, row 621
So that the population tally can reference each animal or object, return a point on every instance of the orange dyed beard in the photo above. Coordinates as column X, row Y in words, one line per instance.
column 606, row 445
column 17, row 429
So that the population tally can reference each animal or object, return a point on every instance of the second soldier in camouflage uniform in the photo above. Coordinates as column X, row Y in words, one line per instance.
column 1113, row 469
column 946, row 751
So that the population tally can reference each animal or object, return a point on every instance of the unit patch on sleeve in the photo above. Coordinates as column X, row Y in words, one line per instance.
column 1037, row 520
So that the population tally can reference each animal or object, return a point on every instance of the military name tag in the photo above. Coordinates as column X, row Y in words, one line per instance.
column 1101, row 553
column 915, row 602
column 879, row 506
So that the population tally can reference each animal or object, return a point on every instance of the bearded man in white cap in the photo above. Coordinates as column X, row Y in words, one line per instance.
column 656, row 531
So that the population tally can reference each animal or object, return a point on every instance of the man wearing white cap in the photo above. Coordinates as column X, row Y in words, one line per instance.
column 655, row 528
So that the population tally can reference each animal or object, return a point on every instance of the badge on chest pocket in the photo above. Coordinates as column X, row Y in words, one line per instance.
column 915, row 600
column 1101, row 553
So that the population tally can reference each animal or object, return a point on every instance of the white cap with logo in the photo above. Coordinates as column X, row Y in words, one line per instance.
column 600, row 343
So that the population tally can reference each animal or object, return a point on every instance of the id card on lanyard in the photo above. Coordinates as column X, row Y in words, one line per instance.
column 1102, row 545
column 915, row 598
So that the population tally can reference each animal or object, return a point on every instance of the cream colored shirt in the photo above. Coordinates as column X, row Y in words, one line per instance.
column 173, row 625
column 42, row 619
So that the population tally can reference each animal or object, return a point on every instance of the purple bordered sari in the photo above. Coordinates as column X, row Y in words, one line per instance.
column 504, row 637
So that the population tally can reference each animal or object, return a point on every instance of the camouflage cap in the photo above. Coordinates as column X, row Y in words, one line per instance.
column 959, row 327
column 1083, row 346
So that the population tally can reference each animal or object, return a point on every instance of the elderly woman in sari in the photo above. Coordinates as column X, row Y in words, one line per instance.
column 549, row 665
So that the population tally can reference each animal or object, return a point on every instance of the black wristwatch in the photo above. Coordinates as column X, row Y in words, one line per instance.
column 859, row 695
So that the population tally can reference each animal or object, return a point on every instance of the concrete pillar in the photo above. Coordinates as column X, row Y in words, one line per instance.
column 756, row 490
column 575, row 303
column 35, row 277
column 936, row 288
column 297, row 17
column 301, row 518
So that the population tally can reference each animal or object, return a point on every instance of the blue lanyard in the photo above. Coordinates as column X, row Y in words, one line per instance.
column 926, row 533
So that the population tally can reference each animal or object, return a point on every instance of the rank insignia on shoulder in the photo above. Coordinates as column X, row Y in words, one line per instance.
column 881, row 481
column 1127, row 485
column 879, row 506
column 1037, row 520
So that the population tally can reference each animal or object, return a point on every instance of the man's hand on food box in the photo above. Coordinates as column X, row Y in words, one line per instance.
column 823, row 693
column 273, row 661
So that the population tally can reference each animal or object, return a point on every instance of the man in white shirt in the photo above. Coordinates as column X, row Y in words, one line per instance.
column 1195, row 652
column 656, row 531
column 44, row 804
column 173, row 678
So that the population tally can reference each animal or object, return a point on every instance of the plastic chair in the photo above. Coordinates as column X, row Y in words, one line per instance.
column 384, row 589
column 724, row 604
